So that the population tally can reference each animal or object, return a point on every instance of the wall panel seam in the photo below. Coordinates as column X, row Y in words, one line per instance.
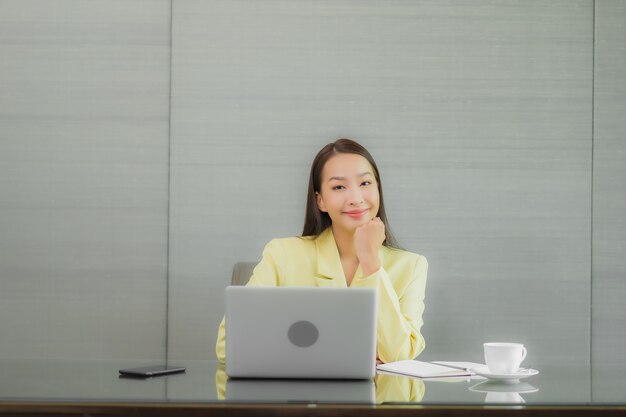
column 593, row 96
column 169, row 194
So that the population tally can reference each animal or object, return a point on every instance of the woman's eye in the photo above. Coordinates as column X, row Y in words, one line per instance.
column 338, row 187
column 366, row 183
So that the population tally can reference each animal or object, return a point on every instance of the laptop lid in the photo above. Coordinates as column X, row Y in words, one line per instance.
column 300, row 332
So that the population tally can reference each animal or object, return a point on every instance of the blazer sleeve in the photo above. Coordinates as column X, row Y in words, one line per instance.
column 399, row 315
column 266, row 273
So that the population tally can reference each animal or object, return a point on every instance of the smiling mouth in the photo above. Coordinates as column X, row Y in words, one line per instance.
column 356, row 214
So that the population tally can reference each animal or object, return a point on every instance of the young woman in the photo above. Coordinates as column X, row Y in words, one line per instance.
column 346, row 242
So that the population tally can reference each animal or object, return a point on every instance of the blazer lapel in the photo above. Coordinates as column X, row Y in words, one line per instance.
column 329, row 269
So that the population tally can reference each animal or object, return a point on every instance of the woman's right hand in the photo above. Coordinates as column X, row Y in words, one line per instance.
column 368, row 239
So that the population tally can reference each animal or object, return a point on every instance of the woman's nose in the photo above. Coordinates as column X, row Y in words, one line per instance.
column 356, row 197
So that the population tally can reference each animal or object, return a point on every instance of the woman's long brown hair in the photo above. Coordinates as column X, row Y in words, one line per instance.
column 315, row 220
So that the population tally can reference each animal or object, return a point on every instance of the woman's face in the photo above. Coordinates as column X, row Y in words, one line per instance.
column 348, row 191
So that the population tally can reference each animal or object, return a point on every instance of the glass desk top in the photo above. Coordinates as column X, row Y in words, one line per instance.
column 205, row 381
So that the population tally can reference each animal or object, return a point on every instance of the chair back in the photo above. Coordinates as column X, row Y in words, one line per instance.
column 242, row 271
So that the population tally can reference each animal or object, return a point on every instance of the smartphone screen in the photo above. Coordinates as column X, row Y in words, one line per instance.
column 156, row 370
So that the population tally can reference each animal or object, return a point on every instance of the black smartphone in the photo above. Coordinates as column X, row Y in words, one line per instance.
column 148, row 371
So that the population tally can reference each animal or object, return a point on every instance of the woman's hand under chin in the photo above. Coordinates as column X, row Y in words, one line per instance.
column 368, row 238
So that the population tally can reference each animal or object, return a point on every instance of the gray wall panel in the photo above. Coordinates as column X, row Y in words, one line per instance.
column 479, row 115
column 84, row 108
column 609, row 196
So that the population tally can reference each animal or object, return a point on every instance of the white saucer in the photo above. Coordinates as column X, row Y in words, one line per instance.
column 516, row 376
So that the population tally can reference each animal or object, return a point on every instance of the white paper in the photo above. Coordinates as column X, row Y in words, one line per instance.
column 421, row 369
column 459, row 365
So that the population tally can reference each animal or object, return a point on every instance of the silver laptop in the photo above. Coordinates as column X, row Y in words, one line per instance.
column 301, row 332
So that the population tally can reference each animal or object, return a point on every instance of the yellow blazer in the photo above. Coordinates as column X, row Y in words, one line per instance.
column 309, row 261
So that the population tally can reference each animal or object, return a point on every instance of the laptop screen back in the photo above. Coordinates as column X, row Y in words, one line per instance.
column 300, row 332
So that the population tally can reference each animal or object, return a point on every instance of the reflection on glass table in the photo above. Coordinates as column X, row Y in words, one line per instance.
column 384, row 388
column 499, row 392
column 204, row 381
column 300, row 391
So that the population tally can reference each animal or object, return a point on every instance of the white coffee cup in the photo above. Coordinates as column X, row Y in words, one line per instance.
column 504, row 358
